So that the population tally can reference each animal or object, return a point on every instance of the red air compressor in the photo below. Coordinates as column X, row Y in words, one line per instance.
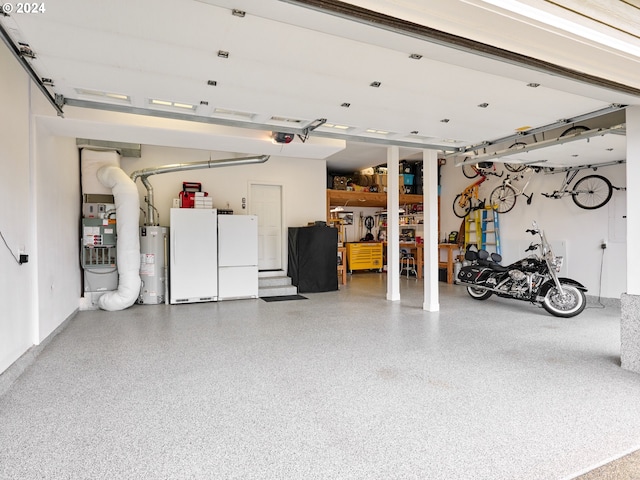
column 188, row 194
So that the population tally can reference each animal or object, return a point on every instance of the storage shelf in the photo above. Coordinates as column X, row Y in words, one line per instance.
column 347, row 198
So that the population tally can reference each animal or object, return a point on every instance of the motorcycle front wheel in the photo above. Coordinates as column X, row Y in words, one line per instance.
column 566, row 305
column 478, row 293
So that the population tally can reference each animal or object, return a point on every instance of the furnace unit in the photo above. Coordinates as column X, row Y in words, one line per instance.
column 99, row 254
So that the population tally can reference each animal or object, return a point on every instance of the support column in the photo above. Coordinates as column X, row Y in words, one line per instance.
column 630, row 318
column 430, row 208
column 393, row 223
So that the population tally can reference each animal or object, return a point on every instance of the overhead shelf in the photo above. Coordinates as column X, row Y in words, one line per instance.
column 347, row 198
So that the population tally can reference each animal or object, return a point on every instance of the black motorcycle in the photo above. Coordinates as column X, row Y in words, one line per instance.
column 533, row 279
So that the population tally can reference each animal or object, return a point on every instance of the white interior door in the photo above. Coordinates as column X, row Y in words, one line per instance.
column 265, row 201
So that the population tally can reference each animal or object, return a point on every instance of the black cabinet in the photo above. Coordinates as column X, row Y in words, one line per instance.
column 313, row 258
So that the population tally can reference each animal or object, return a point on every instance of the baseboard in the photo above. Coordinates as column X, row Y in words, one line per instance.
column 17, row 368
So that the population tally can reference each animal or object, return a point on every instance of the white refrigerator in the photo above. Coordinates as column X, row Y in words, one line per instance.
column 193, row 259
column 237, row 256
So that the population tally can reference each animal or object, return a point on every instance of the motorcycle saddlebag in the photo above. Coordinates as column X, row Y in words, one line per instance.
column 474, row 274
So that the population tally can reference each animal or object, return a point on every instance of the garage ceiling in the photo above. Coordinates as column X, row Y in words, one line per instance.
column 284, row 65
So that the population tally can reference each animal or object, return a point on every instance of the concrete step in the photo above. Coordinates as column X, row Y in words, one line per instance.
column 280, row 281
column 277, row 291
column 271, row 273
column 275, row 284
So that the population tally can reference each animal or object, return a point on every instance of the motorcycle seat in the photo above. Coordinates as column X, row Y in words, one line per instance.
column 483, row 259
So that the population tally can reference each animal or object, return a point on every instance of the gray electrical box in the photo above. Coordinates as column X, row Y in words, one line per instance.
column 99, row 254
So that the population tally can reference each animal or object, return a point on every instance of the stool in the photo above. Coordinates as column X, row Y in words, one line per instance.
column 408, row 263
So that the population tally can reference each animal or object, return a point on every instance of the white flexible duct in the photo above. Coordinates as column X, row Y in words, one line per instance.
column 127, row 201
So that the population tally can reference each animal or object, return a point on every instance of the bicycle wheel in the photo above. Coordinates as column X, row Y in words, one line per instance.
column 516, row 167
column 503, row 198
column 469, row 170
column 461, row 206
column 574, row 130
column 591, row 192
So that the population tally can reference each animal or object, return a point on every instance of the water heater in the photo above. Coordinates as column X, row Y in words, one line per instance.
column 153, row 264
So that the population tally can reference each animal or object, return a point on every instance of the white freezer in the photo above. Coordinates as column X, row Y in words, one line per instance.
column 237, row 240
column 193, row 256
column 237, row 256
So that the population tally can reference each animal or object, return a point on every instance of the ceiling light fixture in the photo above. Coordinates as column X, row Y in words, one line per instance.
column 375, row 84
column 414, row 132
column 238, row 13
column 223, row 54
column 165, row 103
column 533, row 85
column 109, row 95
column 345, row 105
column 483, row 105
column 204, row 102
column 212, row 83
column 415, row 56
column 332, row 125
column 445, row 120
column 378, row 132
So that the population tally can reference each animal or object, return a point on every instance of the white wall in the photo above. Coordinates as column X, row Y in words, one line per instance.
column 16, row 281
column 39, row 191
column 57, row 199
column 303, row 181
column 582, row 231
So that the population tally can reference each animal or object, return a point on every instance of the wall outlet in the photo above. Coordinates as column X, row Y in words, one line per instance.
column 603, row 245
column 23, row 259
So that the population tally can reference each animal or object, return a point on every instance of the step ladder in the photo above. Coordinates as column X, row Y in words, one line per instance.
column 490, row 230
column 473, row 229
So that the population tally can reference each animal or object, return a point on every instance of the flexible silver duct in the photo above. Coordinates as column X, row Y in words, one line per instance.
column 179, row 167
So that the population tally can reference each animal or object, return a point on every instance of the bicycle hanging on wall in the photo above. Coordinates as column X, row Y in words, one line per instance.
column 503, row 197
column 590, row 192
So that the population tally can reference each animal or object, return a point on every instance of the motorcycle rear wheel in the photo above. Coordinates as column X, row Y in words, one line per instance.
column 479, row 293
column 568, row 305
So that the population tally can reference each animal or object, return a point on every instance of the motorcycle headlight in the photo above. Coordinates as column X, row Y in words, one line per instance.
column 557, row 263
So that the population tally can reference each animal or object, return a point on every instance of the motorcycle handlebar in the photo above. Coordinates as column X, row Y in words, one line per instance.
column 532, row 232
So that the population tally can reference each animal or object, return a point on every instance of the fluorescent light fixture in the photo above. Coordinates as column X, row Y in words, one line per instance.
column 166, row 103
column 162, row 102
column 104, row 95
column 337, row 127
column 377, row 132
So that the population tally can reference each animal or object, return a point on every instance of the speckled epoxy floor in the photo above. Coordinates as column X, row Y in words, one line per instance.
column 344, row 385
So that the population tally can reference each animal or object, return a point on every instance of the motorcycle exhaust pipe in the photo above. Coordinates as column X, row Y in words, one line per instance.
column 475, row 285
